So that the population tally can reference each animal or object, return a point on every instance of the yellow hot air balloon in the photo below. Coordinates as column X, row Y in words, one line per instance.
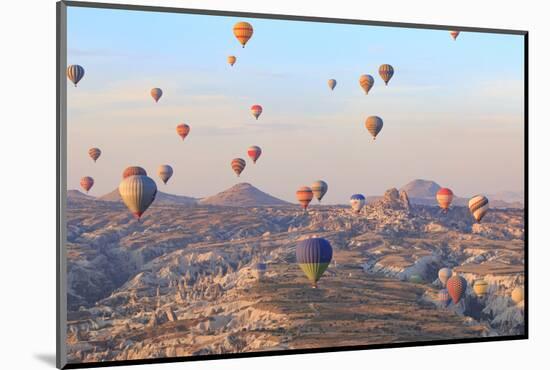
column 231, row 60
column 386, row 72
column 243, row 32
column 517, row 294
column 481, row 287
column 137, row 193
column 366, row 82
column 374, row 125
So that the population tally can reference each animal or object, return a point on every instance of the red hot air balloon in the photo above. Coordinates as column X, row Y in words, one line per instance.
column 256, row 110
column 456, row 286
column 183, row 130
column 454, row 34
column 444, row 198
column 238, row 165
column 304, row 196
column 133, row 171
column 86, row 183
column 254, row 152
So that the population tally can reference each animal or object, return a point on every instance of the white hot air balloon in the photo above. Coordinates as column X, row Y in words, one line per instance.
column 137, row 192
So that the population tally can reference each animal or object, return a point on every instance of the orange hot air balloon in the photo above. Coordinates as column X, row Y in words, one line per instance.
column 374, row 124
column 238, row 165
column 183, row 130
column 156, row 93
column 304, row 196
column 94, row 153
column 456, row 286
column 366, row 82
column 256, row 110
column 254, row 152
column 231, row 60
column 444, row 198
column 133, row 171
column 86, row 183
column 243, row 32
column 454, row 34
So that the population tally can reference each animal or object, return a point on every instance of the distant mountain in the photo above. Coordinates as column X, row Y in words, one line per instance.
column 78, row 195
column 161, row 198
column 421, row 188
column 243, row 195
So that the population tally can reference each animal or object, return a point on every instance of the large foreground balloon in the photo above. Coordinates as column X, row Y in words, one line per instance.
column 256, row 110
column 243, row 32
column 137, row 192
column 75, row 73
column 156, row 93
column 479, row 205
column 366, row 82
column 304, row 195
column 517, row 294
column 86, row 183
column 133, row 171
column 357, row 201
column 254, row 152
column 238, row 165
column 444, row 197
column 456, row 285
column 444, row 274
column 443, row 297
column 480, row 288
column 94, row 153
column 165, row 172
column 454, row 34
column 386, row 72
column 319, row 189
column 332, row 83
column 183, row 130
column 313, row 256
column 374, row 125
column 231, row 60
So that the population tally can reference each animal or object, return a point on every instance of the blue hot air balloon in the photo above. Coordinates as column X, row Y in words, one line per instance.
column 313, row 256
column 357, row 201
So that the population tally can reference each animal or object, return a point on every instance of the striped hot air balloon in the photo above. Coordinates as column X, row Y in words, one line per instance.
column 260, row 269
column 456, row 286
column 374, row 125
column 132, row 171
column 444, row 197
column 231, row 60
column 454, row 34
column 137, row 192
column 444, row 274
column 156, row 93
column 332, row 83
column 256, row 110
column 75, row 73
column 165, row 172
column 386, row 72
column 480, row 288
column 443, row 297
column 238, row 165
column 357, row 201
column 94, row 153
column 319, row 189
column 86, row 183
column 366, row 82
column 313, row 256
column 243, row 32
column 254, row 152
column 517, row 294
column 183, row 130
column 304, row 196
column 479, row 205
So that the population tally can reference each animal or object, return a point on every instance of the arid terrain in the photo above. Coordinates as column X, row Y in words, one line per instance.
column 180, row 282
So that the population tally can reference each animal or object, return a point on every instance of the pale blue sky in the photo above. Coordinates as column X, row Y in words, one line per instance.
column 453, row 111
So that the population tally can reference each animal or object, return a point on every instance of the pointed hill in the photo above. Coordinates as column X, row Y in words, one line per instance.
column 243, row 195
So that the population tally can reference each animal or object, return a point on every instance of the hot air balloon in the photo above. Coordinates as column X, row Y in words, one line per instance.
column 238, row 165
column 319, row 189
column 243, row 32
column 254, row 152
column 366, row 82
column 480, row 288
column 183, row 130
column 165, row 172
column 304, row 196
column 156, row 93
column 517, row 294
column 94, row 153
column 132, row 171
column 456, row 286
column 454, row 34
column 260, row 269
column 386, row 72
column 137, row 192
column 444, row 198
column 231, row 60
column 75, row 73
column 332, row 83
column 479, row 205
column 256, row 110
column 86, row 183
column 374, row 125
column 357, row 201
column 313, row 256
column 444, row 274
column 443, row 297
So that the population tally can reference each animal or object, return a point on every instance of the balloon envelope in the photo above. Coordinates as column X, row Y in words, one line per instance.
column 238, row 165
column 478, row 205
column 456, row 286
column 332, row 84
column 94, row 153
column 319, row 189
column 133, row 170
column 183, row 130
column 75, row 73
column 165, row 172
column 443, row 297
column 444, row 197
column 313, row 256
column 243, row 32
column 156, row 93
column 86, row 183
column 386, row 72
column 366, row 82
column 374, row 125
column 304, row 195
column 454, row 34
column 480, row 287
column 357, row 201
column 137, row 193
column 254, row 153
column 231, row 60
column 517, row 294
column 444, row 274
column 256, row 110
